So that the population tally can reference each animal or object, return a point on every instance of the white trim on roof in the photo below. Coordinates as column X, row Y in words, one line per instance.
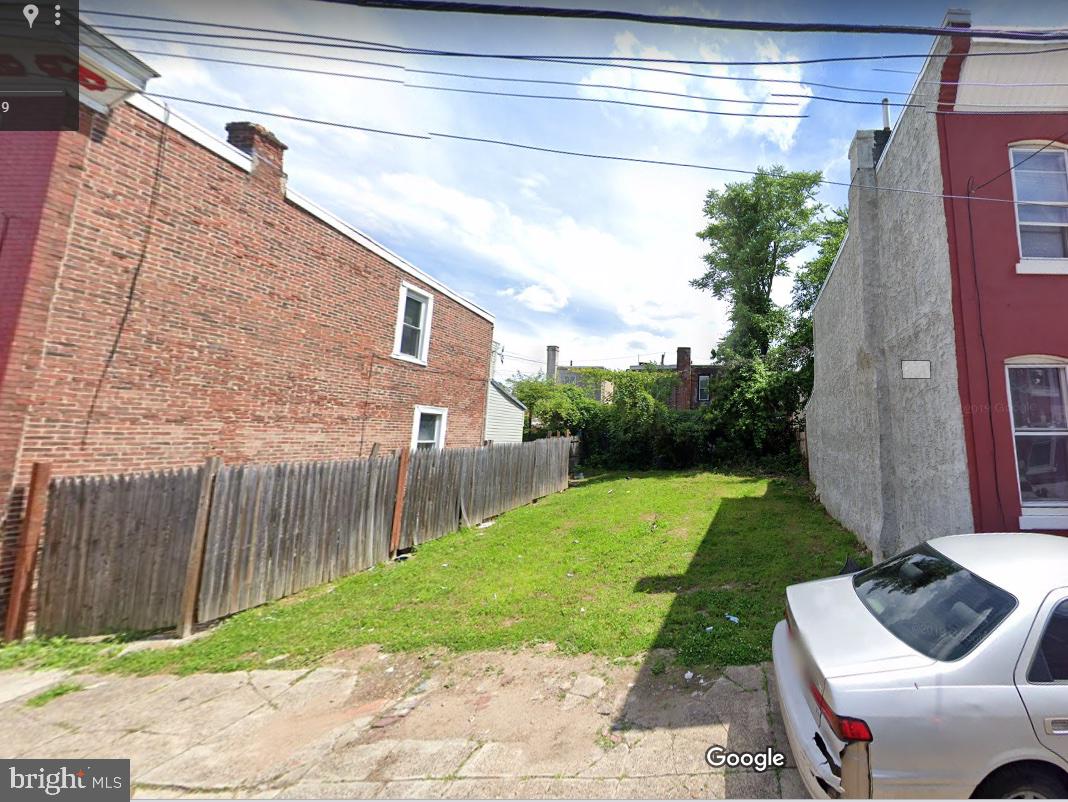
column 240, row 159
column 188, row 128
column 381, row 250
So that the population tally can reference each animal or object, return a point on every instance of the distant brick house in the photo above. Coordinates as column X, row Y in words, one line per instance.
column 164, row 297
column 940, row 402
column 694, row 386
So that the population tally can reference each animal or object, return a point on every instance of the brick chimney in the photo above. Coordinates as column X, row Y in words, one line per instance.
column 684, row 391
column 682, row 359
column 266, row 150
column 552, row 356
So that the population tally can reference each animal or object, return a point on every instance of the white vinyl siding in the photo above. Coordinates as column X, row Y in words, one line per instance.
column 504, row 420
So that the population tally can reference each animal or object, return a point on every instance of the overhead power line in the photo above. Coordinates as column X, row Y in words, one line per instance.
column 293, row 117
column 660, row 70
column 715, row 112
column 555, row 56
column 516, row 94
column 579, row 84
column 703, row 22
column 572, row 98
column 582, row 154
column 509, row 79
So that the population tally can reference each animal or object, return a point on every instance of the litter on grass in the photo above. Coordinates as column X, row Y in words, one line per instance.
column 732, row 618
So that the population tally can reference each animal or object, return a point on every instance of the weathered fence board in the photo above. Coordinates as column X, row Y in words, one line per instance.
column 115, row 552
column 117, row 549
column 277, row 529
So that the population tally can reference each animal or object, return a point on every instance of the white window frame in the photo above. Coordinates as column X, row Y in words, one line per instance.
column 419, row 412
column 1036, row 514
column 427, row 299
column 707, row 381
column 1034, row 265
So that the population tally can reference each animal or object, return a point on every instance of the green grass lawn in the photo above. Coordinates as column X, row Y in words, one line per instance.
column 614, row 566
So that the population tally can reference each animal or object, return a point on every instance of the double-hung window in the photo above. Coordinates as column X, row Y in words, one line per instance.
column 702, row 388
column 1039, row 397
column 428, row 427
column 1040, row 178
column 412, row 340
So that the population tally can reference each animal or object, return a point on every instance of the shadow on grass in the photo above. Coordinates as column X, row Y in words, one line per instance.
column 753, row 549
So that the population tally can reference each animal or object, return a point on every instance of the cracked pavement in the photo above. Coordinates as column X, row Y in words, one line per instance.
column 529, row 724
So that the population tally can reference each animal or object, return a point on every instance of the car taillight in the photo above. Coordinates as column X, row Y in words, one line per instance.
column 847, row 729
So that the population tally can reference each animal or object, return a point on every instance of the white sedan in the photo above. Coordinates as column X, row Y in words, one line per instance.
column 942, row 672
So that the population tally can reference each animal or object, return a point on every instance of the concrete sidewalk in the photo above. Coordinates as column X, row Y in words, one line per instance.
column 528, row 724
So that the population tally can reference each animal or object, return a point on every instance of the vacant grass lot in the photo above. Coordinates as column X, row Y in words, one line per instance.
column 615, row 566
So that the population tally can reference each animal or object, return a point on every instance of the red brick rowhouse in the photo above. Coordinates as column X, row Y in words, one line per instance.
column 165, row 298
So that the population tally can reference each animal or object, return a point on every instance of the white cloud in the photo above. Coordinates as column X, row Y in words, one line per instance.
column 541, row 298
column 593, row 256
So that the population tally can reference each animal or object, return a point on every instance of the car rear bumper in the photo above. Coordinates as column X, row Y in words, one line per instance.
column 816, row 773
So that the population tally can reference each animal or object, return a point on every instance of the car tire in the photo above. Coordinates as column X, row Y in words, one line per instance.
column 1023, row 783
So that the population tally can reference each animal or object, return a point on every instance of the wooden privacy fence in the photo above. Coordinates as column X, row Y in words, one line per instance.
column 115, row 551
column 472, row 484
column 157, row 550
column 277, row 529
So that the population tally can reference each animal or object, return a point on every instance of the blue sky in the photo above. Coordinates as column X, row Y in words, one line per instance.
column 592, row 256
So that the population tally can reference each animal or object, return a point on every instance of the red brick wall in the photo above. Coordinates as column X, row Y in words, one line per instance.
column 35, row 216
column 256, row 332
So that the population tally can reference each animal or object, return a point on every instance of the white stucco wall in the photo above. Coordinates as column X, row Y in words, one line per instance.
column 887, row 454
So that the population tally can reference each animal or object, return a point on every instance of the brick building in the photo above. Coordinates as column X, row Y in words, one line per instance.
column 164, row 297
column 694, row 386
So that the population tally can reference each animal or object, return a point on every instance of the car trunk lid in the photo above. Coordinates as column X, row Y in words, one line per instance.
column 838, row 636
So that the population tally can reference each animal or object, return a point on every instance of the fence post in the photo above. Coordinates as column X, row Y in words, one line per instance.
column 398, row 504
column 195, row 566
column 18, row 605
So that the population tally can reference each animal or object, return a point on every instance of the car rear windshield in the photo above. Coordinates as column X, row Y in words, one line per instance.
column 937, row 607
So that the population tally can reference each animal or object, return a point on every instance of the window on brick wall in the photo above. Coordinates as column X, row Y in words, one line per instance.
column 412, row 339
column 428, row 427
column 702, row 388
column 1041, row 185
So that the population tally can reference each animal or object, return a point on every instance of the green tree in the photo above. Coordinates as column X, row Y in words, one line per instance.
column 797, row 352
column 754, row 228
column 552, row 407
column 808, row 281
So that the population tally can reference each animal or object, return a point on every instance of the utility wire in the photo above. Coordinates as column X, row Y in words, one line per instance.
column 660, row 70
column 973, row 189
column 703, row 22
column 382, row 47
column 292, row 117
column 978, row 106
column 330, row 73
column 551, row 56
column 572, row 98
column 462, row 75
column 583, row 154
column 612, row 102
